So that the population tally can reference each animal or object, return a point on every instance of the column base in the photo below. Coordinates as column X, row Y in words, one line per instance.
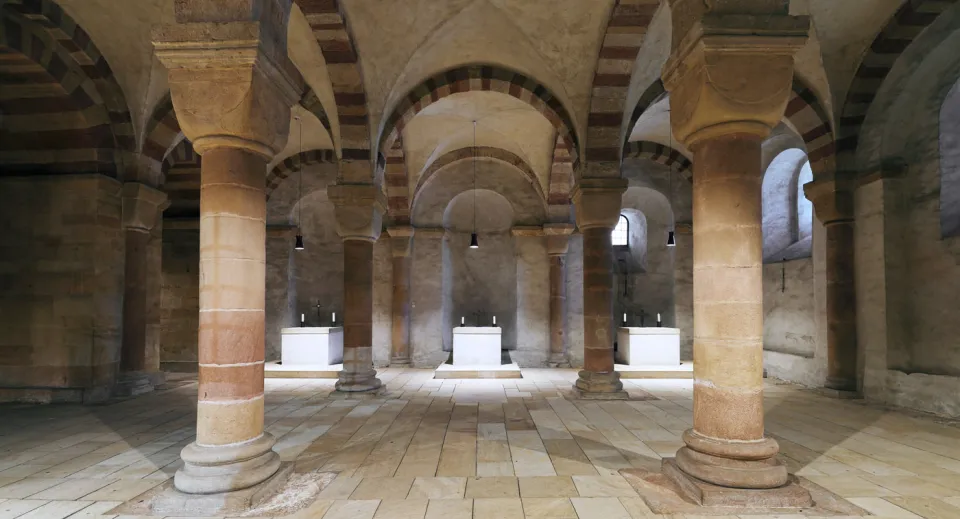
column 216, row 469
column 840, row 394
column 400, row 361
column 172, row 502
column 354, row 382
column 788, row 495
column 838, row 387
column 341, row 394
column 133, row 383
column 558, row 360
column 600, row 386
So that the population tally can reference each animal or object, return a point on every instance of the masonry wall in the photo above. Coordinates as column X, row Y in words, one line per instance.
column 180, row 299
column 790, row 322
column 61, row 272
column 427, row 300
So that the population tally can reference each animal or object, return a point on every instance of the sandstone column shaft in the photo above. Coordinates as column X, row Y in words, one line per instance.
column 400, row 349
column 133, row 353
column 357, row 315
column 841, row 307
column 359, row 210
column 597, row 203
column 232, row 277
column 597, row 300
column 728, row 288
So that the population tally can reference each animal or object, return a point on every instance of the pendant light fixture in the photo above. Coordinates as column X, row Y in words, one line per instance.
column 298, row 244
column 671, row 235
column 474, row 242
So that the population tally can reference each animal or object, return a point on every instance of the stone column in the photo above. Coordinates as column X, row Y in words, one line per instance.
column 401, row 241
column 558, row 241
column 141, row 213
column 833, row 205
column 359, row 211
column 232, row 88
column 729, row 80
column 597, row 205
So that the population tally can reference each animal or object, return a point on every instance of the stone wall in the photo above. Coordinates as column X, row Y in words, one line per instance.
column 533, row 302
column 180, row 298
column 427, row 300
column 574, row 336
column 62, row 275
column 790, row 334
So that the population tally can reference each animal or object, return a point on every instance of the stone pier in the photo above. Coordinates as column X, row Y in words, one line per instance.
column 558, row 242
column 232, row 89
column 729, row 80
column 597, row 205
column 359, row 211
column 401, row 243
column 833, row 205
column 139, row 367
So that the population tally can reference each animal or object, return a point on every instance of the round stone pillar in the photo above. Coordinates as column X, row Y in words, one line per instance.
column 727, row 446
column 401, row 239
column 359, row 211
column 729, row 79
column 231, row 451
column 833, row 205
column 597, row 204
column 558, row 241
column 232, row 92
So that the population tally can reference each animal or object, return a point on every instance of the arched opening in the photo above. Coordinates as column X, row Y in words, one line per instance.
column 787, row 214
column 620, row 236
column 950, row 163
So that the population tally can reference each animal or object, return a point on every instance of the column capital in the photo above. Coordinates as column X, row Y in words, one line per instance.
column 597, row 201
column 141, row 205
column 832, row 200
column 730, row 73
column 230, row 85
column 401, row 240
column 359, row 210
column 558, row 238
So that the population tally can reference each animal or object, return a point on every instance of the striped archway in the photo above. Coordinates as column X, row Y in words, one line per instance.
column 62, row 77
column 660, row 154
column 622, row 39
column 481, row 152
column 900, row 31
column 804, row 111
column 475, row 78
column 329, row 24
column 293, row 163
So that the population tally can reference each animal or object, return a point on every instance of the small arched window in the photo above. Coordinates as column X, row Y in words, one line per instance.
column 620, row 233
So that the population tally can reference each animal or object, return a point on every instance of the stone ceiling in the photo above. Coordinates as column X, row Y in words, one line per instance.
column 402, row 42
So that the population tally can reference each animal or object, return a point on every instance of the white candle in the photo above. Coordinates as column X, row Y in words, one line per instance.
column 334, row 317
column 658, row 318
column 624, row 317
column 301, row 318
column 494, row 319
column 461, row 321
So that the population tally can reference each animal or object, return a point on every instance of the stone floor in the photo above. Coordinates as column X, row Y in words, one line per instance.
column 455, row 449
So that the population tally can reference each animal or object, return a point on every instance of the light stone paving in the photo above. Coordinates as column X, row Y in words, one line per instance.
column 451, row 449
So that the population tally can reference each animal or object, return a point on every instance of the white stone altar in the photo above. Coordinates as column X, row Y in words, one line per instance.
column 476, row 346
column 658, row 347
column 311, row 346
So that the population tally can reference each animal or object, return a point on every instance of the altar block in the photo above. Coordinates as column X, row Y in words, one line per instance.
column 311, row 346
column 649, row 347
column 476, row 346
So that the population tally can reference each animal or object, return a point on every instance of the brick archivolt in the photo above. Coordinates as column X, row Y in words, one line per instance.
column 67, row 114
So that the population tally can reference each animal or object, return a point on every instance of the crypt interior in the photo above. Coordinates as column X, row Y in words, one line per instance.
column 571, row 259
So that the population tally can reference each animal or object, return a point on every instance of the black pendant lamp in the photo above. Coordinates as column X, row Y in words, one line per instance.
column 671, row 236
column 298, row 244
column 474, row 242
